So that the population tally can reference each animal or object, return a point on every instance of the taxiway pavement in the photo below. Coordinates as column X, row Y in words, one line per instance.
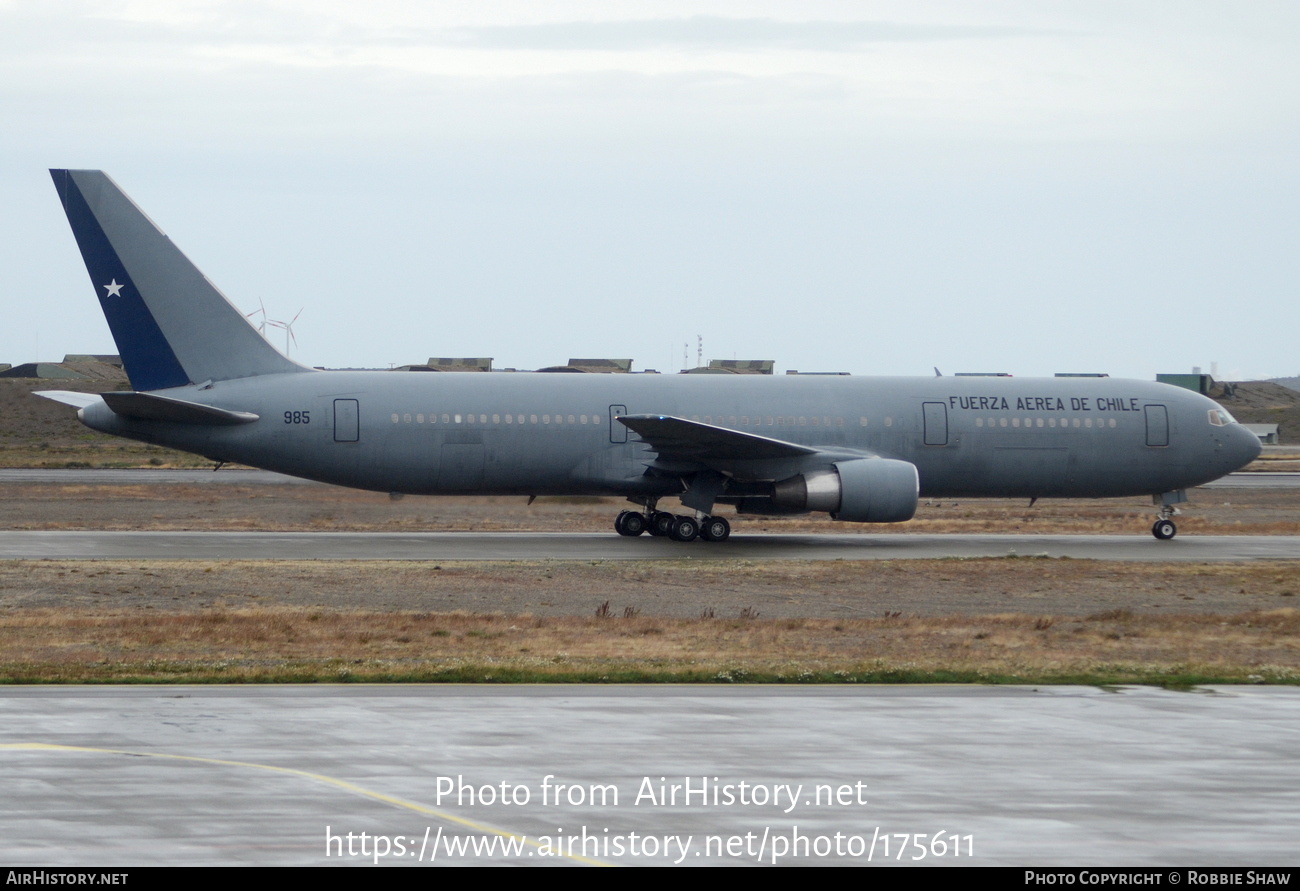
column 970, row 775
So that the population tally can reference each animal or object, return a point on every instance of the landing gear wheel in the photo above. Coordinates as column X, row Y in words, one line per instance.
column 684, row 529
column 715, row 529
column 1164, row 529
column 630, row 523
column 661, row 523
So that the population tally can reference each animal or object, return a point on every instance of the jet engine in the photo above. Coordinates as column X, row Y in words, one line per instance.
column 864, row 490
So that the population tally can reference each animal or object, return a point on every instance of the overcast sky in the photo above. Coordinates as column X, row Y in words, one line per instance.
column 840, row 186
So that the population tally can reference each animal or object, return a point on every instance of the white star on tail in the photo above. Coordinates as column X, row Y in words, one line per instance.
column 114, row 289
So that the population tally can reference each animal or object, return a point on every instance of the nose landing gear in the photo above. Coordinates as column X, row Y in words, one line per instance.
column 1164, row 529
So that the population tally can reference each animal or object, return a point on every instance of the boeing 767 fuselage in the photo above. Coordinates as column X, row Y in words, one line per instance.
column 862, row 449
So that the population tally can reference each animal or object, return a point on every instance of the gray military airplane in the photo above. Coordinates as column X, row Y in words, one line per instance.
column 862, row 449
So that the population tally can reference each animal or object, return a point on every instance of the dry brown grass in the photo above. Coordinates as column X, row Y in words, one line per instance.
column 287, row 644
column 1030, row 620
column 683, row 588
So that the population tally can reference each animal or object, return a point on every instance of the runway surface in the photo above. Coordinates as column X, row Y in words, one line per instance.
column 492, row 546
column 1006, row 776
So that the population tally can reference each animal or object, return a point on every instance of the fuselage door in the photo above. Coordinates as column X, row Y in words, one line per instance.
column 936, row 423
column 617, row 432
column 1157, row 425
column 347, row 420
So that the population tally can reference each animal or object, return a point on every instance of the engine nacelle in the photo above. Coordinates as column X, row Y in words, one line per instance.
column 864, row 490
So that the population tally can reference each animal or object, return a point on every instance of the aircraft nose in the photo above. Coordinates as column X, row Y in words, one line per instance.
column 1243, row 445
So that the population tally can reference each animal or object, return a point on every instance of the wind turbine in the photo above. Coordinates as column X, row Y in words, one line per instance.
column 261, row 308
column 288, row 330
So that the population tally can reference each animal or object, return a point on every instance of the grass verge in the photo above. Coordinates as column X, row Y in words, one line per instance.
column 289, row 645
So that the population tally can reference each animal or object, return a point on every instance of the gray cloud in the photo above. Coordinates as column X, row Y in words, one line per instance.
column 715, row 33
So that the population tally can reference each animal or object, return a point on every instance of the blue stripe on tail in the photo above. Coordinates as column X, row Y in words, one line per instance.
column 148, row 358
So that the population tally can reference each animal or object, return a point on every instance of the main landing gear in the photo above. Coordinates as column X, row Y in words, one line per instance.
column 678, row 527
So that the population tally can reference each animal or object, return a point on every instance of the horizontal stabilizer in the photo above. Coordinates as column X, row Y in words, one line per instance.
column 68, row 397
column 683, row 440
column 151, row 407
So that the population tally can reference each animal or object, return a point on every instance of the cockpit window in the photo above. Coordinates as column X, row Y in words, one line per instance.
column 1220, row 418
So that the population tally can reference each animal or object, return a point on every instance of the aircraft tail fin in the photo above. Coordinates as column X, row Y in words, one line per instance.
column 171, row 325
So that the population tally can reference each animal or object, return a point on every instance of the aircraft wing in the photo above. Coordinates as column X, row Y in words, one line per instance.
column 677, row 439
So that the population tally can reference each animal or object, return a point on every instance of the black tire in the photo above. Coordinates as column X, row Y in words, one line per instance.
column 661, row 523
column 631, row 524
column 715, row 529
column 1164, row 529
column 684, row 529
